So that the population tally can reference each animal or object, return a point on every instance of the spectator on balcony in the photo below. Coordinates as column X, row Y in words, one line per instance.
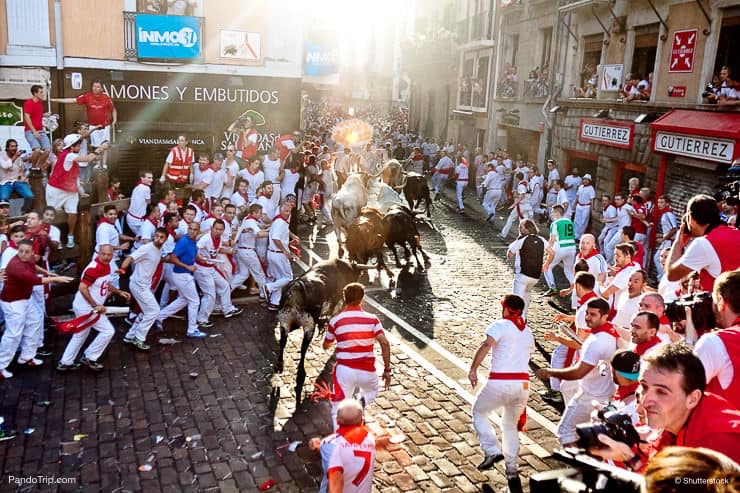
column 730, row 96
column 589, row 80
column 719, row 86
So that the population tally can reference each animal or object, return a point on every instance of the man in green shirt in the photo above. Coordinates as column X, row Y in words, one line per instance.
column 562, row 248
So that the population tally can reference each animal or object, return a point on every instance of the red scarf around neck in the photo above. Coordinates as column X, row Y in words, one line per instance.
column 216, row 242
column 608, row 328
column 593, row 253
column 516, row 319
column 642, row 347
column 582, row 301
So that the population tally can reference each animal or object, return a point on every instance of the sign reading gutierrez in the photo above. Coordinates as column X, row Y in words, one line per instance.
column 168, row 37
column 709, row 149
column 610, row 133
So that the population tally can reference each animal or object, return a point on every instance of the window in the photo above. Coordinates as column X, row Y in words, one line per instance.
column 646, row 46
column 170, row 7
column 513, row 49
column 546, row 47
column 727, row 53
column 473, row 82
column 30, row 26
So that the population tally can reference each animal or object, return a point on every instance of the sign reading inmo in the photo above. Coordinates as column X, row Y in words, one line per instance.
column 168, row 37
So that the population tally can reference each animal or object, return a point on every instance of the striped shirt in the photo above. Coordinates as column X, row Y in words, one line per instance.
column 355, row 332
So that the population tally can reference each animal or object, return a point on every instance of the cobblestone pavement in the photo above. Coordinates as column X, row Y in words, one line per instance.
column 225, row 429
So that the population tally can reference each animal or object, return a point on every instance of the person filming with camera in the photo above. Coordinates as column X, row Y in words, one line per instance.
column 676, row 404
column 704, row 244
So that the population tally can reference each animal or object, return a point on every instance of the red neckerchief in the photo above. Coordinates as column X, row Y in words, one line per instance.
column 618, row 207
column 642, row 347
column 210, row 216
column 262, row 194
column 153, row 222
column 586, row 297
column 250, row 216
column 657, row 213
column 254, row 172
column 11, row 244
column 631, row 264
column 593, row 253
column 112, row 195
column 664, row 320
column 245, row 196
column 163, row 202
column 353, row 434
column 171, row 231
column 516, row 318
column 623, row 392
column 279, row 216
column 105, row 220
column 140, row 183
column 735, row 322
column 216, row 242
column 607, row 328
column 605, row 207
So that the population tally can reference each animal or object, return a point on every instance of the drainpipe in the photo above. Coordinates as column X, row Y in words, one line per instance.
column 58, row 33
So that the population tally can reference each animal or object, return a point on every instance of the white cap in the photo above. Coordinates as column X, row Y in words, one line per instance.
column 71, row 139
column 587, row 177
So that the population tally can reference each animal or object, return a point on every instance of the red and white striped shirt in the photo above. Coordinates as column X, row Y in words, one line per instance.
column 355, row 332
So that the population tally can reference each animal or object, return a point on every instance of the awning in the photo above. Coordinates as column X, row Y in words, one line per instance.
column 711, row 136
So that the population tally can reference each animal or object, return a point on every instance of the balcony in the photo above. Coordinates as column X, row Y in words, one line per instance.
column 570, row 5
column 426, row 55
column 507, row 89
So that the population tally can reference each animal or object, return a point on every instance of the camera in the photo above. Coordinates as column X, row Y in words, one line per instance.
column 585, row 474
column 708, row 89
column 612, row 423
column 702, row 311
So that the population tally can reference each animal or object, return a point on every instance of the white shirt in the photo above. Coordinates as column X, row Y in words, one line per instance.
column 216, row 186
column 279, row 231
column 668, row 221
column 272, row 169
column 513, row 347
column 208, row 250
column 268, row 206
column 202, row 176
column 238, row 200
column 552, row 175
column 562, row 199
column 96, row 277
column 7, row 256
column 597, row 350
column 341, row 165
column 610, row 213
column 716, row 360
column 626, row 309
column 623, row 216
column 462, row 173
column 10, row 171
column 182, row 228
column 254, row 180
column 146, row 232
column 622, row 278
column 289, row 182
column 356, row 462
column 585, row 195
column 492, row 181
column 140, row 197
column 573, row 182
column 667, row 289
column 146, row 260
column 700, row 255
column 233, row 170
column 249, row 229
column 106, row 234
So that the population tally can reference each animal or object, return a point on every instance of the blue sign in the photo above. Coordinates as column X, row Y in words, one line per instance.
column 168, row 37
column 320, row 58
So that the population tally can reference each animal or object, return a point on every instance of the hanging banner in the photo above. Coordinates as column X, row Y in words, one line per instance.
column 168, row 37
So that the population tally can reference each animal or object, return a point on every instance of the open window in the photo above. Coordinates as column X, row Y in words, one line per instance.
column 646, row 48
column 473, row 82
column 727, row 53
column 588, row 78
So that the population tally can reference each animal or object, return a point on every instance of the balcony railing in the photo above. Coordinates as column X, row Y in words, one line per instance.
column 507, row 89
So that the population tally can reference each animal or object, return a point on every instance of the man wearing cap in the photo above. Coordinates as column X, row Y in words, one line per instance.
column 510, row 343
column 63, row 190
column 585, row 196
column 13, row 175
column 626, row 376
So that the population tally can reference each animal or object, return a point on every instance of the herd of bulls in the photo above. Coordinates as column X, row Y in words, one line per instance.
column 368, row 214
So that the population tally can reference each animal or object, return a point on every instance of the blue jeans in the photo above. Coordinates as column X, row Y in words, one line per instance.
column 20, row 187
column 42, row 142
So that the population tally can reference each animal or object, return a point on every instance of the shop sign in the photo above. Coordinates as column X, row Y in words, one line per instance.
column 606, row 132
column 320, row 58
column 10, row 114
column 682, row 51
column 694, row 146
column 168, row 37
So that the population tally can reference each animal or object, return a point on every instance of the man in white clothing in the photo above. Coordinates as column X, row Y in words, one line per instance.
column 231, row 168
column 608, row 220
column 279, row 256
column 571, row 184
column 147, row 262
column 248, row 262
column 141, row 196
column 510, row 343
column 494, row 184
column 624, row 218
column 521, row 209
column 95, row 287
column 441, row 172
column 584, row 201
column 461, row 178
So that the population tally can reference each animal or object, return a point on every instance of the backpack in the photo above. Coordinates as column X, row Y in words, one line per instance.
column 531, row 256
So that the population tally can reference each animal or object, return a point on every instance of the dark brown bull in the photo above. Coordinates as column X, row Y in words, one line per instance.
column 365, row 239
column 416, row 189
column 400, row 228
column 315, row 294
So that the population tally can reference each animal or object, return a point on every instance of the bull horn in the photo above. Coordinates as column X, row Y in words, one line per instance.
column 405, row 179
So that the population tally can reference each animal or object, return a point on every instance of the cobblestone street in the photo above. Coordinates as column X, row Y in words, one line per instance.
column 212, row 416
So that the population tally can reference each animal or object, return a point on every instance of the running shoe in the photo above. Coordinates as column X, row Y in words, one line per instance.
column 233, row 313
column 72, row 367
column 93, row 365
column 197, row 334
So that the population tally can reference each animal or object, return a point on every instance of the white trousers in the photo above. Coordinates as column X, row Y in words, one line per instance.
column 142, row 293
column 459, row 189
column 20, row 328
column 557, row 361
column 511, row 395
column 578, row 410
column 134, row 224
column 278, row 268
column 97, row 346
column 38, row 303
column 187, row 295
column 523, row 286
column 615, row 240
column 565, row 256
column 438, row 182
column 525, row 209
column 580, row 223
column 248, row 264
column 491, row 200
column 604, row 238
column 168, row 285
column 347, row 381
column 212, row 284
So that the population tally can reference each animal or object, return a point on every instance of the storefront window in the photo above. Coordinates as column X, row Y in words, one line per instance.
column 170, row 7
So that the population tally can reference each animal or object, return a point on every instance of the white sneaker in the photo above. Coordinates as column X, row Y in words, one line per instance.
column 70, row 242
column 31, row 362
column 6, row 374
